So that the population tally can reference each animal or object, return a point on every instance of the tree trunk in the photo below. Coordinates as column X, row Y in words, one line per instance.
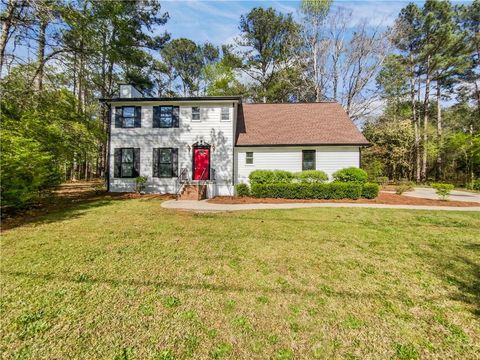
column 439, row 133
column 335, row 78
column 318, row 95
column 415, row 124
column 472, row 174
column 74, row 167
column 426, row 105
column 7, row 24
column 86, row 167
column 41, row 54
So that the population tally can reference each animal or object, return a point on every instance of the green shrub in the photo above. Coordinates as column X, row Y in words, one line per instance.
column 351, row 174
column 140, row 183
column 443, row 190
column 335, row 190
column 400, row 189
column 270, row 177
column 242, row 190
column 381, row 180
column 370, row 190
column 311, row 176
column 476, row 185
column 26, row 170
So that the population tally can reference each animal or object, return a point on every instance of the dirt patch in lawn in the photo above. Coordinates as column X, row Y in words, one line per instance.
column 383, row 198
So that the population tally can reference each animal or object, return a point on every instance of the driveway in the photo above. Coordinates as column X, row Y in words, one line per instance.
column 456, row 195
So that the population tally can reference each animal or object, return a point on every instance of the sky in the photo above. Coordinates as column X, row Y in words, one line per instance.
column 217, row 20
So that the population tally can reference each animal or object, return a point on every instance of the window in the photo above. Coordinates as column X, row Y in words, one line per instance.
column 308, row 160
column 195, row 114
column 126, row 162
column 165, row 162
column 225, row 116
column 165, row 116
column 128, row 117
column 249, row 158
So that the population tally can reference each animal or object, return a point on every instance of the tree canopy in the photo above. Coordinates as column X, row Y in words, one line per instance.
column 413, row 88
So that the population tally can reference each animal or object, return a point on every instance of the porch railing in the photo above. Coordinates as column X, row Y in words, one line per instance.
column 181, row 180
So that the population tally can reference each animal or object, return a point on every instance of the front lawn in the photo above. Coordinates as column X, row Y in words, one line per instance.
column 127, row 279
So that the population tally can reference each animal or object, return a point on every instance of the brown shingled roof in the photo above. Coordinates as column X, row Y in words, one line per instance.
column 296, row 124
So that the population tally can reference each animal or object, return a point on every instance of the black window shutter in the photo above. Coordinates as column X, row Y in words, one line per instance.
column 156, row 116
column 138, row 116
column 156, row 169
column 176, row 116
column 174, row 162
column 136, row 162
column 118, row 117
column 117, row 163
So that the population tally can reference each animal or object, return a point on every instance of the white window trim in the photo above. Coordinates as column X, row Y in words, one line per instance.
column 199, row 112
column 253, row 158
column 228, row 108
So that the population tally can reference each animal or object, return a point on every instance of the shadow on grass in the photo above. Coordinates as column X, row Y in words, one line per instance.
column 464, row 274
column 467, row 284
column 286, row 290
column 72, row 209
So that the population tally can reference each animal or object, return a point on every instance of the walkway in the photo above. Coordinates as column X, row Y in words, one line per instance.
column 455, row 195
column 204, row 206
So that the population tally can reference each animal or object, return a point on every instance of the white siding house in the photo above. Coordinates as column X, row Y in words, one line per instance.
column 209, row 129
column 218, row 141
column 327, row 158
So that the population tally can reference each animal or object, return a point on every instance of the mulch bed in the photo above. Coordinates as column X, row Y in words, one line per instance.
column 383, row 198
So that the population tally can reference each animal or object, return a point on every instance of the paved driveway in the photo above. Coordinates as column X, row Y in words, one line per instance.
column 456, row 195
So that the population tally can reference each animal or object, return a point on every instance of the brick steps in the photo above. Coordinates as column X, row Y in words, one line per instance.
column 193, row 192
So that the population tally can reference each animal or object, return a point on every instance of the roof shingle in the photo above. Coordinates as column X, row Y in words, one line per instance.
column 324, row 123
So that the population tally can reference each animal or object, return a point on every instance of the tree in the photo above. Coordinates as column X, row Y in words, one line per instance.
column 315, row 13
column 12, row 18
column 342, row 64
column 468, row 19
column 393, row 80
column 186, row 60
column 268, row 44
column 221, row 76
column 392, row 144
column 406, row 37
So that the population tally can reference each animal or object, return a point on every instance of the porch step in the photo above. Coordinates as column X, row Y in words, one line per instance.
column 193, row 192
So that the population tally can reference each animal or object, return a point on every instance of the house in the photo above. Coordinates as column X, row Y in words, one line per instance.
column 206, row 145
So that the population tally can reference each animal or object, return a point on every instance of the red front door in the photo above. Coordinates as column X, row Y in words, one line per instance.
column 201, row 163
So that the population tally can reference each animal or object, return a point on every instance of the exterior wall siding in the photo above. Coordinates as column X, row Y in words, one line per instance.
column 211, row 129
column 328, row 159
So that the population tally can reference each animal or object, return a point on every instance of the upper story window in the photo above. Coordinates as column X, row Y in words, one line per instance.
column 225, row 115
column 308, row 160
column 195, row 113
column 128, row 117
column 249, row 158
column 165, row 116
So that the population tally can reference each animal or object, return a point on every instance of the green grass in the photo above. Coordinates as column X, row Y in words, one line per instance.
column 126, row 279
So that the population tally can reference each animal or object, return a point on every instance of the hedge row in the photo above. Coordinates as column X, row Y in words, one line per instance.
column 334, row 190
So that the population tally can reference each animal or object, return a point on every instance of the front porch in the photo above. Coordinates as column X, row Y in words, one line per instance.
column 189, row 189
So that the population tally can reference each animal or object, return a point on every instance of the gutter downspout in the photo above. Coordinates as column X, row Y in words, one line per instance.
column 109, row 124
